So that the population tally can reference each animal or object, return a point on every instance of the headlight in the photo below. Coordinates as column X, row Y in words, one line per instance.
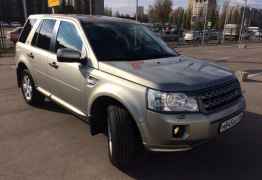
column 171, row 102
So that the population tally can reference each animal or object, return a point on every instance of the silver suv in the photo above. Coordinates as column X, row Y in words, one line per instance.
column 127, row 83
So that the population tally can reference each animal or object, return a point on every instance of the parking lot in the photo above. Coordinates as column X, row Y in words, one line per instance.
column 47, row 142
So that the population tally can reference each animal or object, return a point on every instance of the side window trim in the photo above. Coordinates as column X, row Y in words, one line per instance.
column 55, row 33
column 33, row 22
column 84, row 48
column 20, row 36
column 31, row 34
column 36, row 31
column 41, row 23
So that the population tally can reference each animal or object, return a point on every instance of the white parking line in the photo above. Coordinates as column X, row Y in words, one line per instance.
column 255, row 75
column 223, row 58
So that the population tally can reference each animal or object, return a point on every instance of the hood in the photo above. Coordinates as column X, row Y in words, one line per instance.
column 169, row 74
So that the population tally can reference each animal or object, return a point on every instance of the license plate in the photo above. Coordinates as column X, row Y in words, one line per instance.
column 228, row 124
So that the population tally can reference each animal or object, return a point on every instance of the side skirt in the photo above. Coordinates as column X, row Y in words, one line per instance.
column 64, row 104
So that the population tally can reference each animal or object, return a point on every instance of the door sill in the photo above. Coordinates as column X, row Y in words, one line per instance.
column 66, row 105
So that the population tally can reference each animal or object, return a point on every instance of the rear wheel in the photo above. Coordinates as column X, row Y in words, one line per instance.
column 124, row 141
column 30, row 94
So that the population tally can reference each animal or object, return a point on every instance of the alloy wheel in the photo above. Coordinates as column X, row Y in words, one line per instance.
column 27, row 88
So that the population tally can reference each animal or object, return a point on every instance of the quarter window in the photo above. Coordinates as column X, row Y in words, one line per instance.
column 27, row 29
column 68, row 37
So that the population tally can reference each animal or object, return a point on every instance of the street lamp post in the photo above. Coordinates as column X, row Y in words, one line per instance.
column 25, row 8
column 206, row 16
column 136, row 10
column 226, row 20
column 242, row 23
column 91, row 7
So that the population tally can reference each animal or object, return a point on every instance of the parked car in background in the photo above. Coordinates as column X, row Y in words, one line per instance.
column 4, row 24
column 214, row 34
column 15, row 24
column 246, row 35
column 255, row 32
column 167, row 32
column 170, row 37
column 153, row 28
column 197, row 36
column 171, row 30
column 14, row 34
column 192, row 36
column 231, row 31
column 170, row 34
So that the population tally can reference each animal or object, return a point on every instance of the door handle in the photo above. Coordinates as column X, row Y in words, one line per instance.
column 53, row 64
column 30, row 55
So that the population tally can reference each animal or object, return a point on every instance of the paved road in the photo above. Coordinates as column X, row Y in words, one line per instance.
column 40, row 143
column 236, row 58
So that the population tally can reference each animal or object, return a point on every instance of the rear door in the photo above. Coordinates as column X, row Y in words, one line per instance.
column 41, row 53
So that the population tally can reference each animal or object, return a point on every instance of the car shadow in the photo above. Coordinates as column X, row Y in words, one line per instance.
column 235, row 155
column 49, row 105
column 52, row 106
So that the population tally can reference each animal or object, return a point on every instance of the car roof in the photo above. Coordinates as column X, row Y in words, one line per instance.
column 84, row 18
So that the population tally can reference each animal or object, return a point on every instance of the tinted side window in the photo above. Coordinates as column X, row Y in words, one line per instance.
column 34, row 40
column 27, row 29
column 68, row 37
column 45, row 35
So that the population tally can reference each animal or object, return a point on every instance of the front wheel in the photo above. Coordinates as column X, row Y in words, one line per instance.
column 124, row 141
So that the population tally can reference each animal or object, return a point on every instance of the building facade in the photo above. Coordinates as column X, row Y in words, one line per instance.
column 201, row 8
column 83, row 6
column 12, row 10
column 140, row 11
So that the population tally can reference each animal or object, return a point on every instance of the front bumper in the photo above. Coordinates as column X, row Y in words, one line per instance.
column 199, row 128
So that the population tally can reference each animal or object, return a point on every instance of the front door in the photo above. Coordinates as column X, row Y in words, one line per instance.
column 68, row 79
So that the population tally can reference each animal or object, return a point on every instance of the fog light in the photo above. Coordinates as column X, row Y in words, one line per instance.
column 179, row 131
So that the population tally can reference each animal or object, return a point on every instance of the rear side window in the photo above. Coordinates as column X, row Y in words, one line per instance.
column 68, row 37
column 27, row 29
column 43, row 38
column 34, row 40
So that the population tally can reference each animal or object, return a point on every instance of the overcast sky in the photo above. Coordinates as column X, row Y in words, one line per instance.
column 128, row 6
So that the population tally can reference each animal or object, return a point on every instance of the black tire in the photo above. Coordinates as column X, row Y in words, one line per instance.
column 36, row 97
column 125, row 139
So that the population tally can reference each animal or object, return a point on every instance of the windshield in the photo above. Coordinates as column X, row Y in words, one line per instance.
column 114, row 41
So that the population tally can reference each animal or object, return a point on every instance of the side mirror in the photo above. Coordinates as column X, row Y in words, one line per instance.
column 68, row 55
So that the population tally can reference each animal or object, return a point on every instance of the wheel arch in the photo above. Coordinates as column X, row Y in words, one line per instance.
column 97, row 112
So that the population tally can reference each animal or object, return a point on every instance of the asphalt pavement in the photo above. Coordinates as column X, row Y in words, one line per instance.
column 48, row 143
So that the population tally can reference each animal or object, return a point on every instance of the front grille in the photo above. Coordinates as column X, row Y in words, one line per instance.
column 218, row 97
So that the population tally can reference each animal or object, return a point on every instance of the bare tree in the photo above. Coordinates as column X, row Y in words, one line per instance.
column 161, row 11
column 235, row 17
column 177, row 17
column 224, row 14
column 187, row 19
